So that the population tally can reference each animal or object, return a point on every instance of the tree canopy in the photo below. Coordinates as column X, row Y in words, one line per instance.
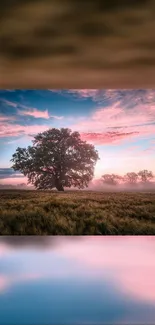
column 111, row 179
column 131, row 178
column 58, row 158
column 145, row 175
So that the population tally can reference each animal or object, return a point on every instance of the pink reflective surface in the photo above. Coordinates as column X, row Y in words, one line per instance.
column 77, row 280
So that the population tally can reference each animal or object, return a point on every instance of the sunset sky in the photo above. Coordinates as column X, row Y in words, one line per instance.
column 120, row 123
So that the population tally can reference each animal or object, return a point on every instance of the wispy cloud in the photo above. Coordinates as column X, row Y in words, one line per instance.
column 4, row 118
column 127, row 96
column 9, row 173
column 106, row 137
column 14, row 181
column 8, row 129
column 10, row 177
column 34, row 112
column 85, row 93
column 57, row 117
column 30, row 111
column 137, row 121
column 8, row 103
column 20, row 140
column 130, row 112
column 10, row 90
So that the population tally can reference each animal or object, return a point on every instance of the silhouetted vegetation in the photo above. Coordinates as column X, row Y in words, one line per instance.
column 142, row 177
column 57, row 159
column 76, row 213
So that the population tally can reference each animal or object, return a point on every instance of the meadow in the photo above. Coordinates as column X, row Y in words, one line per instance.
column 76, row 213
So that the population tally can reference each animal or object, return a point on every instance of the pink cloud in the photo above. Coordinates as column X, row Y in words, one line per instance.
column 84, row 92
column 14, row 180
column 12, row 130
column 6, row 118
column 118, row 117
column 135, row 122
column 34, row 113
column 130, row 112
column 106, row 137
column 133, row 96
column 8, row 129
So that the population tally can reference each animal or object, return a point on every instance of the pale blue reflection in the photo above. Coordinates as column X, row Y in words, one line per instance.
column 63, row 284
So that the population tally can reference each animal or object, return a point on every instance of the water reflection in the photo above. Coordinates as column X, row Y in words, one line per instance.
column 80, row 280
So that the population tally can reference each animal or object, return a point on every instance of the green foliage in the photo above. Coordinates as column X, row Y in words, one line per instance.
column 76, row 213
column 58, row 158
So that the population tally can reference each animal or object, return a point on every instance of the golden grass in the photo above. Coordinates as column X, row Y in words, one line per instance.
column 76, row 213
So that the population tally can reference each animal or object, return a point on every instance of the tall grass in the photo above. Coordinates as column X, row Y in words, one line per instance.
column 76, row 213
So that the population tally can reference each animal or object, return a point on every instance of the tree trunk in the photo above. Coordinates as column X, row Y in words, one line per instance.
column 59, row 185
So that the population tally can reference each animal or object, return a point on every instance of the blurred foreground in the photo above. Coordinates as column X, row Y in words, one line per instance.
column 77, row 43
column 77, row 280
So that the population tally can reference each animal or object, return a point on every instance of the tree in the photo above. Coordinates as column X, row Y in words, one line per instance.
column 145, row 175
column 131, row 178
column 111, row 179
column 57, row 158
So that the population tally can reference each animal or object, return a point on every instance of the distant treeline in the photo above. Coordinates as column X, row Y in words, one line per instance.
column 143, row 176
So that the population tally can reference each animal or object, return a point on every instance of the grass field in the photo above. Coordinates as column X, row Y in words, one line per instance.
column 76, row 213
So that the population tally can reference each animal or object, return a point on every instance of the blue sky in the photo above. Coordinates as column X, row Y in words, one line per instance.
column 120, row 123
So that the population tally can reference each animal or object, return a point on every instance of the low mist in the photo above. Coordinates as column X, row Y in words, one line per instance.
column 97, row 185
